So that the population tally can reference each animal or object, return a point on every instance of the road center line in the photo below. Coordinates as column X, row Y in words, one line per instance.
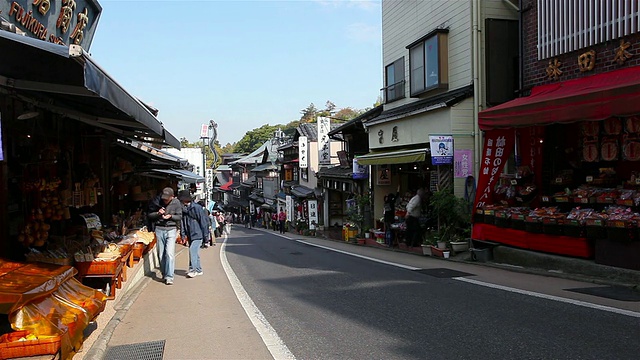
column 551, row 297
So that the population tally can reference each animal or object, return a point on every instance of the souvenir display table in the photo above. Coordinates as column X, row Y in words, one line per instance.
column 110, row 269
column 47, row 308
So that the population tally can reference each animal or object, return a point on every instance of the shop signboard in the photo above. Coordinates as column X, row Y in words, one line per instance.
column 360, row 171
column 384, row 175
column 252, row 207
column 1, row 147
column 441, row 149
column 313, row 214
column 462, row 163
column 303, row 152
column 289, row 205
column 65, row 22
column 498, row 145
column 324, row 151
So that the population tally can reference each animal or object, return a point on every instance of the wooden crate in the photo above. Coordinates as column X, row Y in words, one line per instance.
column 12, row 347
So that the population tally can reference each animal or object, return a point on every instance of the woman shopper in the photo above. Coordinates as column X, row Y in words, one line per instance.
column 195, row 225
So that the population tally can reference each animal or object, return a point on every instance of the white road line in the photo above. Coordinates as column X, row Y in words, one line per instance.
column 551, row 297
column 269, row 336
column 361, row 256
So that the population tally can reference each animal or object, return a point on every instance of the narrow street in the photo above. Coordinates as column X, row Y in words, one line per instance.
column 327, row 305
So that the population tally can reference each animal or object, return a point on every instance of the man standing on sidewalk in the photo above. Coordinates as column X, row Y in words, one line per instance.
column 165, row 212
column 195, row 225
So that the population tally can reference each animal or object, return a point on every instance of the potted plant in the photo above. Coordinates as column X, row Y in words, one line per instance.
column 429, row 240
column 454, row 217
column 356, row 211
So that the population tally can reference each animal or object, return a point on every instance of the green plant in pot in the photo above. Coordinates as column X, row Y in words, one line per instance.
column 453, row 215
column 355, row 212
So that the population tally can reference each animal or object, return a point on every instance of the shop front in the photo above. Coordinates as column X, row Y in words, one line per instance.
column 66, row 229
column 559, row 171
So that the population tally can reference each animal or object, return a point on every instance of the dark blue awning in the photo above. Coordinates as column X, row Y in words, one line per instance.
column 65, row 80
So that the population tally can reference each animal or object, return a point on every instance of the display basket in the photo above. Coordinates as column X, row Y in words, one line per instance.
column 533, row 224
column 584, row 200
column 561, row 199
column 12, row 347
column 625, row 202
column 138, row 250
column 489, row 216
column 478, row 216
column 502, row 219
column 574, row 228
column 621, row 230
column 595, row 229
column 517, row 221
column 605, row 200
column 98, row 267
column 552, row 226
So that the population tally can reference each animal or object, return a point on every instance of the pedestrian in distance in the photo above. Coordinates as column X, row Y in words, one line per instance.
column 282, row 217
column 165, row 211
column 414, row 209
column 195, row 225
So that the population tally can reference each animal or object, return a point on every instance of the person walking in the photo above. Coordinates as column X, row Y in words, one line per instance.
column 195, row 226
column 414, row 209
column 228, row 219
column 282, row 217
column 165, row 212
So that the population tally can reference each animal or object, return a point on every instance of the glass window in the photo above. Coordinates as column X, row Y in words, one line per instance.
column 394, row 80
column 427, row 61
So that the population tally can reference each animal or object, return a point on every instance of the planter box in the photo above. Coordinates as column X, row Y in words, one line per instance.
column 426, row 250
column 459, row 246
column 443, row 253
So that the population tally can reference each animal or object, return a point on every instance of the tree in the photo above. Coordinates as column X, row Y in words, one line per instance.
column 309, row 113
column 347, row 114
column 253, row 139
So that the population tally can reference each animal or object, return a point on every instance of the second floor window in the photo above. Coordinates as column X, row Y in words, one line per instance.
column 394, row 81
column 428, row 63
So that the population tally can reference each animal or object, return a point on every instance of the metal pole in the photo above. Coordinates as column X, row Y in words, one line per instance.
column 204, row 171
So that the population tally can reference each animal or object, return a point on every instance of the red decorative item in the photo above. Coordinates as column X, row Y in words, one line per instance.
column 631, row 148
column 609, row 149
column 632, row 124
column 590, row 151
column 591, row 128
column 612, row 126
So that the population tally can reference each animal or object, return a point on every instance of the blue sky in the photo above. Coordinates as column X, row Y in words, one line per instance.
column 241, row 63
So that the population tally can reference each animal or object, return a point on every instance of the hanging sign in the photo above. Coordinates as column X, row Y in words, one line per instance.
column 498, row 145
column 441, row 149
column 462, row 163
column 313, row 213
column 289, row 204
column 1, row 146
column 384, row 175
column 360, row 171
column 303, row 152
column 324, row 151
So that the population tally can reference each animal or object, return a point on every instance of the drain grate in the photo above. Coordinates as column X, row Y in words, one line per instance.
column 610, row 292
column 152, row 350
column 443, row 273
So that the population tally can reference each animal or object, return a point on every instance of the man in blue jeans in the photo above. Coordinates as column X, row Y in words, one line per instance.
column 195, row 226
column 165, row 211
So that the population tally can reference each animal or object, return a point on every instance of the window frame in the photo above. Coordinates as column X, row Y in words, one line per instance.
column 442, row 46
column 397, row 88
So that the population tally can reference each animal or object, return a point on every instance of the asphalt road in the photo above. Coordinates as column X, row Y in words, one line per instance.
column 329, row 305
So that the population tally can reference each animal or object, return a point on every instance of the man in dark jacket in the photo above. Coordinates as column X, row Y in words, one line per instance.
column 195, row 225
column 165, row 211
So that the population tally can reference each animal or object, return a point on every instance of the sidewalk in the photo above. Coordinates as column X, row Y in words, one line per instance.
column 158, row 311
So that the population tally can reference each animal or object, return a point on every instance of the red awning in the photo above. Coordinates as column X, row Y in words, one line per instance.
column 227, row 186
column 596, row 97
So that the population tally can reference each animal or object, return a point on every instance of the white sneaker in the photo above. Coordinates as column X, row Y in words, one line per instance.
column 192, row 274
column 168, row 281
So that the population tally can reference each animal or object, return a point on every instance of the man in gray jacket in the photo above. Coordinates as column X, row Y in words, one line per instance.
column 165, row 211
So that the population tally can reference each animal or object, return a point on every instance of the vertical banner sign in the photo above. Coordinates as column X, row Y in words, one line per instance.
column 360, row 171
column 324, row 152
column 462, row 163
column 252, row 207
column 498, row 145
column 441, row 149
column 289, row 204
column 303, row 152
column 313, row 214
column 204, row 131
column 1, row 146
